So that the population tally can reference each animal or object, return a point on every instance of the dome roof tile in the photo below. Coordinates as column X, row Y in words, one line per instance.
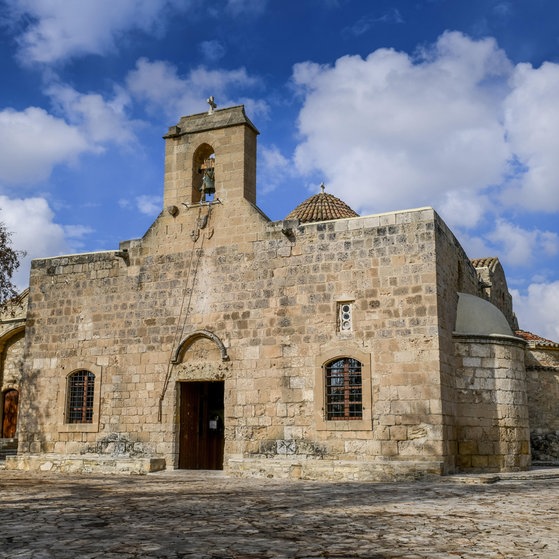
column 321, row 207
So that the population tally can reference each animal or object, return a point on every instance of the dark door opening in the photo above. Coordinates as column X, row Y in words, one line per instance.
column 9, row 414
column 201, row 430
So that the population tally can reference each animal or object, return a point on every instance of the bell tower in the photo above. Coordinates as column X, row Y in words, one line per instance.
column 211, row 156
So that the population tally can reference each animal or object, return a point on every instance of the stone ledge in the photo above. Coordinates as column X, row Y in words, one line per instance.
column 84, row 464
column 538, row 472
column 333, row 470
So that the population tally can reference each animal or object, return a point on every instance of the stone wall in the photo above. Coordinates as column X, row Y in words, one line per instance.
column 454, row 273
column 217, row 292
column 495, row 288
column 542, row 375
column 272, row 300
column 12, row 325
column 378, row 263
column 12, row 361
column 492, row 407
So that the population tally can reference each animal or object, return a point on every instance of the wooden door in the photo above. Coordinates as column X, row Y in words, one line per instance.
column 9, row 414
column 201, row 426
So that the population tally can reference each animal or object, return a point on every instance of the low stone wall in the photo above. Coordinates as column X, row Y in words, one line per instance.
column 84, row 464
column 333, row 470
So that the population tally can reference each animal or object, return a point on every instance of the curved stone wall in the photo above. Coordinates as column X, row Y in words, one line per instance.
column 492, row 426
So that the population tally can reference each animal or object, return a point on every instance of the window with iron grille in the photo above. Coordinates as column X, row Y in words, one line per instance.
column 344, row 389
column 81, row 388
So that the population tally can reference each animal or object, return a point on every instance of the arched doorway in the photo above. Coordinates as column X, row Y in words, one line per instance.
column 10, row 401
column 201, row 361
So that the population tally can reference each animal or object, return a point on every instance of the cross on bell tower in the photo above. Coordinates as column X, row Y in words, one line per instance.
column 211, row 102
column 208, row 154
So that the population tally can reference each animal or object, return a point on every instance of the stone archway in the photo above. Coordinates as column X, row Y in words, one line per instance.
column 187, row 342
column 200, row 369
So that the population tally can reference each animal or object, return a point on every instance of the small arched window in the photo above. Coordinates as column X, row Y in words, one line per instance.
column 81, row 389
column 344, row 389
column 203, row 178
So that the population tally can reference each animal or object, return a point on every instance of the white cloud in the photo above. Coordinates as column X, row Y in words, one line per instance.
column 537, row 309
column 366, row 23
column 159, row 84
column 100, row 120
column 549, row 242
column 156, row 82
column 76, row 234
column 54, row 31
column 474, row 245
column 220, row 79
column 124, row 203
column 255, row 107
column 273, row 168
column 390, row 131
column 33, row 142
column 457, row 127
column 515, row 246
column 463, row 208
column 149, row 205
column 31, row 222
column 57, row 30
column 212, row 50
column 146, row 204
column 532, row 120
column 519, row 247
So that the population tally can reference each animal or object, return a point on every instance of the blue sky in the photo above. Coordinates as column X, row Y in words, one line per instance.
column 392, row 104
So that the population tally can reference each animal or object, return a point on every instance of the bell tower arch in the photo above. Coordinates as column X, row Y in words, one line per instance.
column 211, row 154
column 203, row 174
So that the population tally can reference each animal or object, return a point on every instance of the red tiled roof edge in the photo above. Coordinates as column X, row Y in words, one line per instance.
column 486, row 262
column 537, row 340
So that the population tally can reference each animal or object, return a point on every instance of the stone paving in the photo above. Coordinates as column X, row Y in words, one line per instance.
column 205, row 515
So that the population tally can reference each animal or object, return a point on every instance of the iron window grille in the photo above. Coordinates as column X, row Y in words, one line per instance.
column 344, row 389
column 81, row 388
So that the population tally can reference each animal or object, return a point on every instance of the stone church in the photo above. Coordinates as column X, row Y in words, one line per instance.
column 323, row 346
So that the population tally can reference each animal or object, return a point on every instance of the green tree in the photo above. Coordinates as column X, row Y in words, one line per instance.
column 9, row 263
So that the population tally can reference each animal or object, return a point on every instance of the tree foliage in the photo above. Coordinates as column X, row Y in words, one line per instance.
column 9, row 263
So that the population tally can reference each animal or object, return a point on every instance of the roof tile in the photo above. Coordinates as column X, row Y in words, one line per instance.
column 321, row 207
column 537, row 340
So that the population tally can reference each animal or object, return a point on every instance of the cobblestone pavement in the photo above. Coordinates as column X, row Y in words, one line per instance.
column 209, row 516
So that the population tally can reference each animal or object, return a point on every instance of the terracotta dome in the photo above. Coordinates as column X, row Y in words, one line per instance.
column 321, row 207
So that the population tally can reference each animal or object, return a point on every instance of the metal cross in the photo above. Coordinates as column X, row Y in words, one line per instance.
column 212, row 104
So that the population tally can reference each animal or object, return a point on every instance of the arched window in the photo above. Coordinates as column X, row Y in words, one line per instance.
column 203, row 178
column 344, row 389
column 81, row 389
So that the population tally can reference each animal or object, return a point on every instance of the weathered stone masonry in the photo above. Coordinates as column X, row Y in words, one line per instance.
column 215, row 292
